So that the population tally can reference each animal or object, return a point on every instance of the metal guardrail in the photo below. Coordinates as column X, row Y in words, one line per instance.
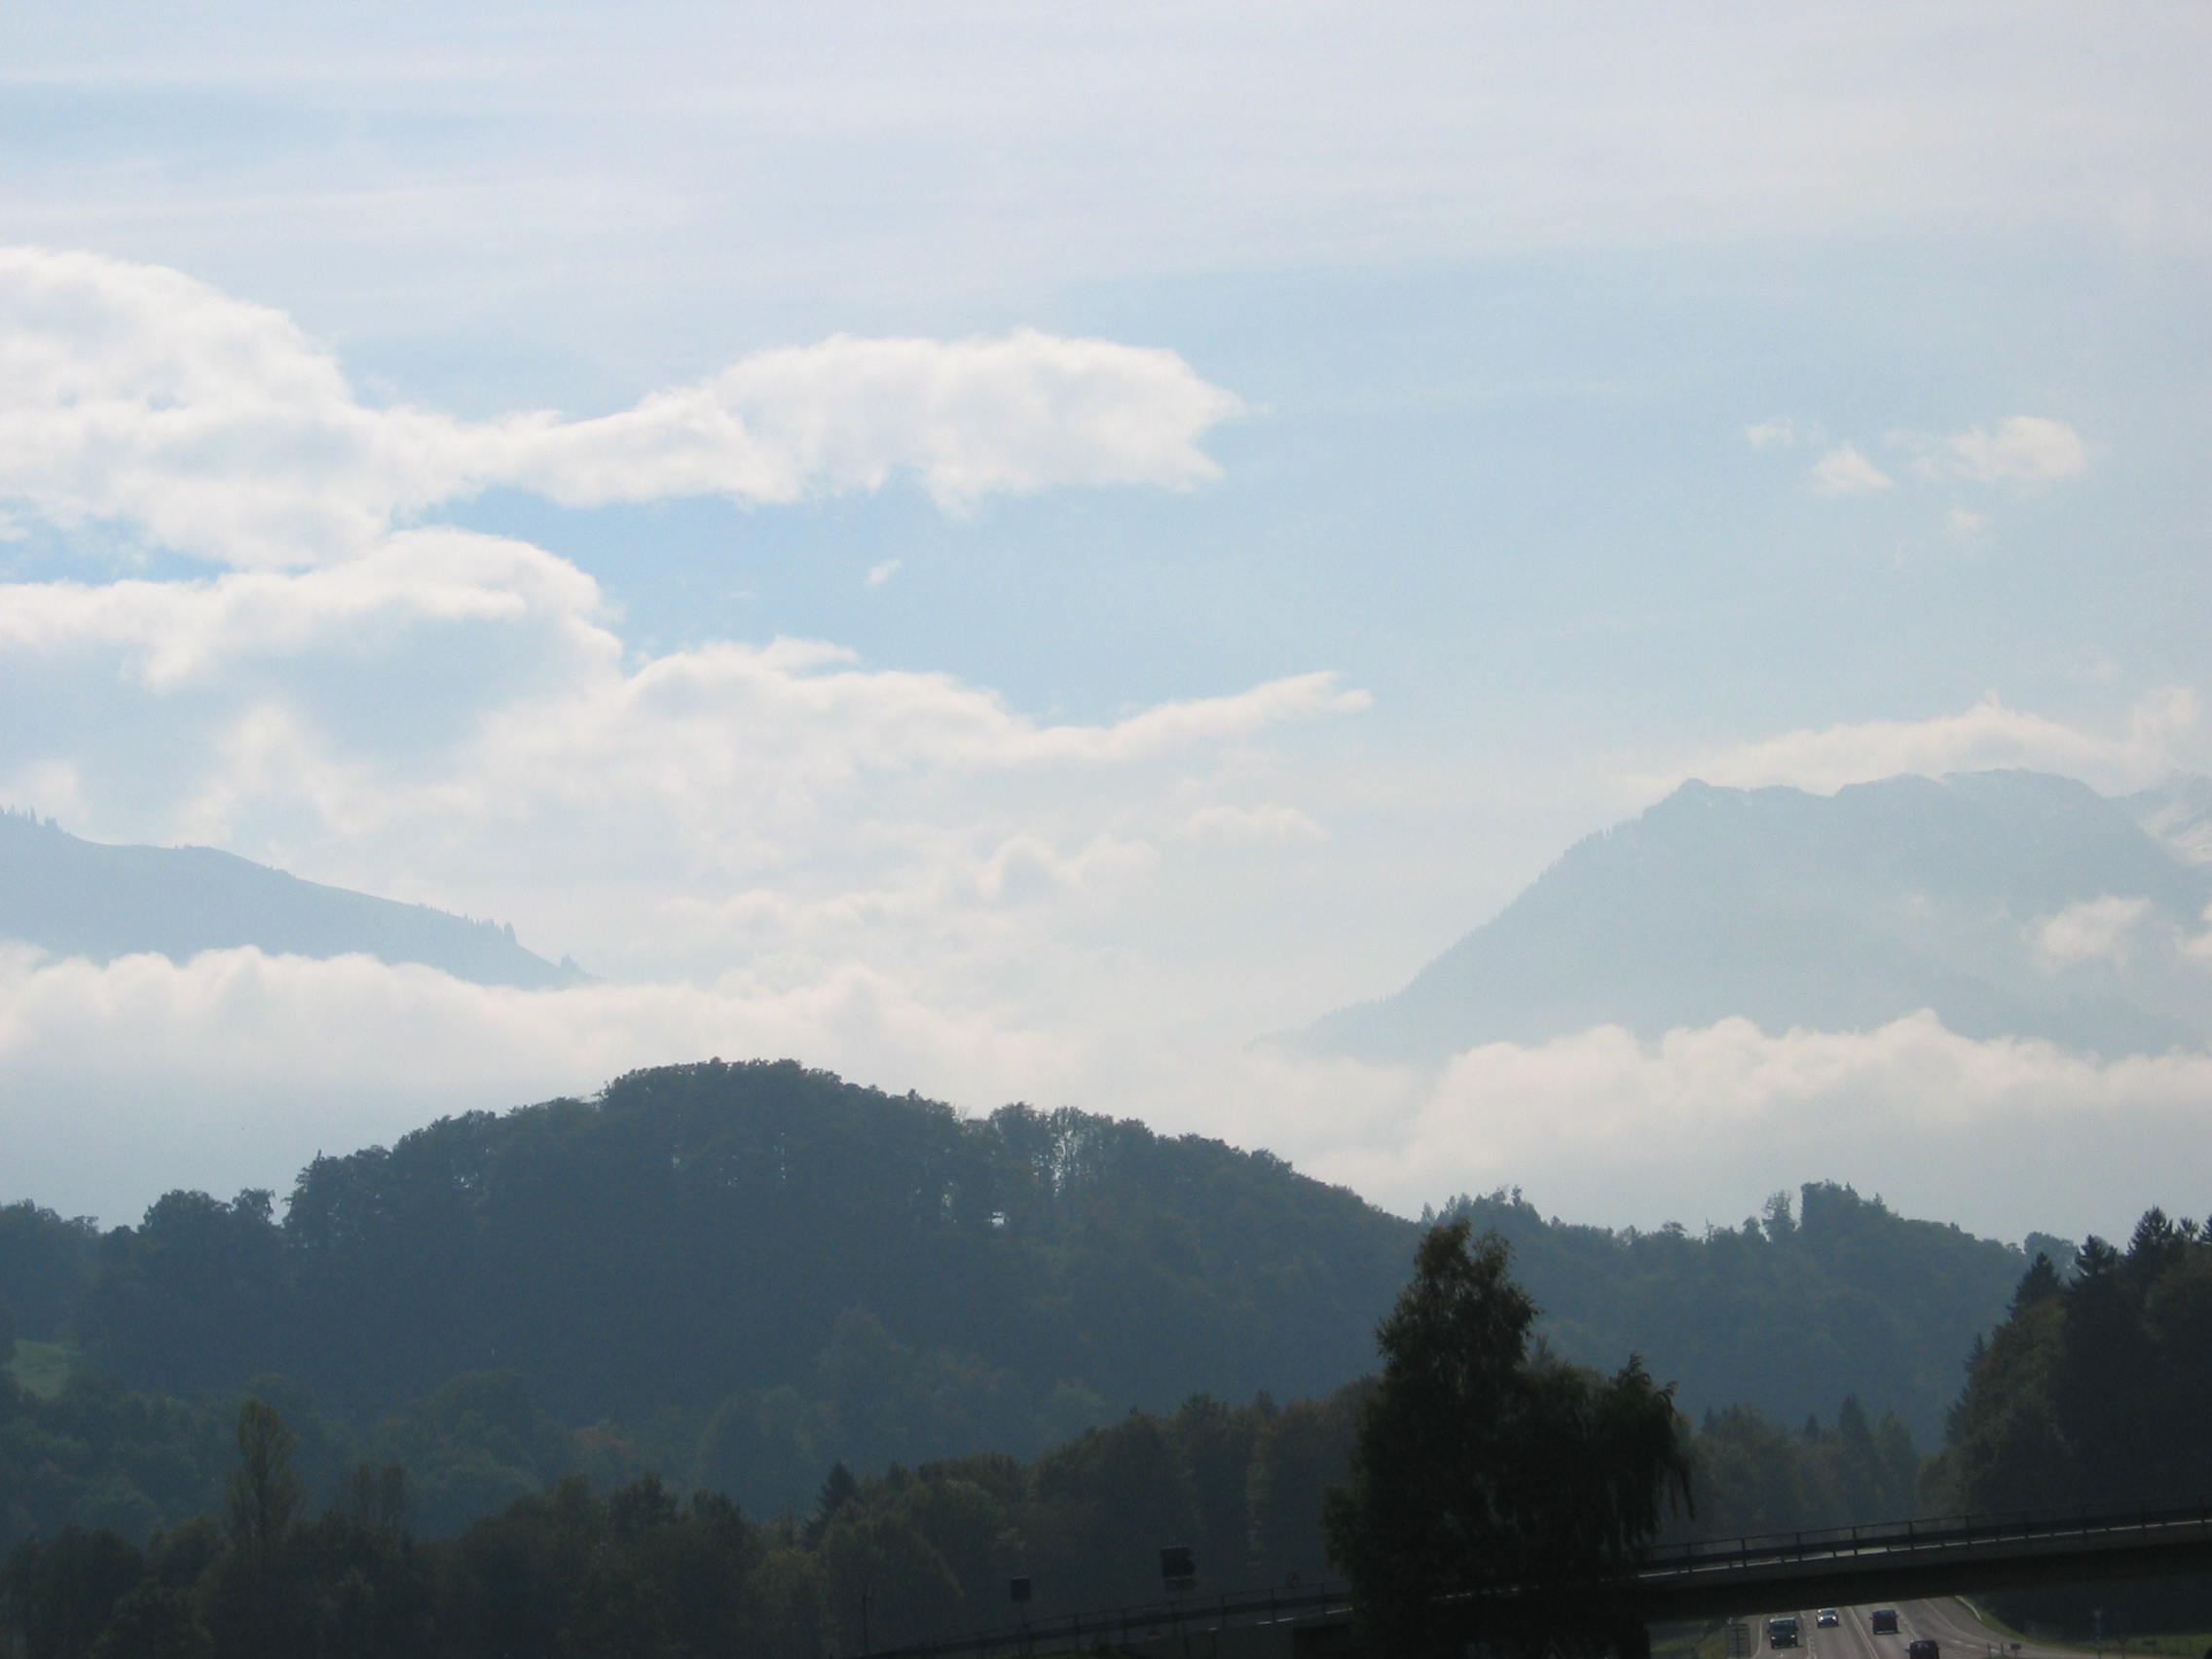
column 1146, row 1621
column 1946, row 1532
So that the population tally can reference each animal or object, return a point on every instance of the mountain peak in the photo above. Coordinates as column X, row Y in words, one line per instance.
column 77, row 898
column 1838, row 911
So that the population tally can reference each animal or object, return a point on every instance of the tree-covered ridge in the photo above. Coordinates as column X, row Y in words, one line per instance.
column 707, row 1229
column 790, row 1270
column 1788, row 1313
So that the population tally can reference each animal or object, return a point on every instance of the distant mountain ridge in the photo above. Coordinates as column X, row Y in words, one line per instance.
column 77, row 898
column 2011, row 903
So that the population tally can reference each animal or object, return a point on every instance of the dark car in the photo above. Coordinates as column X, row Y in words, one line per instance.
column 1923, row 1647
column 1782, row 1632
column 1827, row 1617
column 1885, row 1621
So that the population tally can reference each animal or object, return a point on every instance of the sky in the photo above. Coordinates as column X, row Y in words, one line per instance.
column 1011, row 551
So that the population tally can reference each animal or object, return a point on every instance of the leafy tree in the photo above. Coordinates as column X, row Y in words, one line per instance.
column 255, row 1607
column 1482, row 1464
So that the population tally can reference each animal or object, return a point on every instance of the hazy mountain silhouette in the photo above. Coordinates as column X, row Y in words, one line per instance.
column 2179, row 812
column 1839, row 913
column 77, row 898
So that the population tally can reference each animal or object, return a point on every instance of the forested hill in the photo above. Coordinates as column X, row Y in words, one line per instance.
column 1788, row 1313
column 705, row 1230
column 873, row 1277
column 77, row 898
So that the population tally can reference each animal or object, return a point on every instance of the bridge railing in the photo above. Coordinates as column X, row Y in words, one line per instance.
column 1143, row 1621
column 1890, row 1536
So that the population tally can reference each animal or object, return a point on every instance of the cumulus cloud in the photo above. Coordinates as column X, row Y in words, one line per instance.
column 2021, row 450
column 2024, row 448
column 2162, row 732
column 2094, row 930
column 1845, row 470
column 451, row 717
column 133, row 394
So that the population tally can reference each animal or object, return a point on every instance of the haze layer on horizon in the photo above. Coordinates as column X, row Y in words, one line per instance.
column 1008, row 552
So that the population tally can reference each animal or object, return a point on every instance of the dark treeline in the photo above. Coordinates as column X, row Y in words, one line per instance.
column 929, row 1550
column 299, row 1554
column 2093, row 1391
column 1751, row 1475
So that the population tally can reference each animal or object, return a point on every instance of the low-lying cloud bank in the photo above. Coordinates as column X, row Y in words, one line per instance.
column 236, row 1068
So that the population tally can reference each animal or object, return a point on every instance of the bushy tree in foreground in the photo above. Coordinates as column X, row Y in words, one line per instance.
column 1483, row 1466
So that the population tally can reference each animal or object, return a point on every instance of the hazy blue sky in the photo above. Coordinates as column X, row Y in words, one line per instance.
column 1010, row 549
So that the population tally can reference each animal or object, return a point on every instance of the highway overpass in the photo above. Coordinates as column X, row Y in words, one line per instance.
column 1896, row 1561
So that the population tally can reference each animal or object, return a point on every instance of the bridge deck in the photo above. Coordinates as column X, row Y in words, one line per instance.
column 1892, row 1562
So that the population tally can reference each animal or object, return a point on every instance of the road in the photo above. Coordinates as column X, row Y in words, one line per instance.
column 1948, row 1622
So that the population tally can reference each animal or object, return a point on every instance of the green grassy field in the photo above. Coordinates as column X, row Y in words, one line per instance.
column 42, row 1367
column 1704, row 1641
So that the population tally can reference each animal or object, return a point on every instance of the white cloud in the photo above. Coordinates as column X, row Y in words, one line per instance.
column 1845, row 470
column 878, row 574
column 2163, row 732
column 2093, row 930
column 2024, row 448
column 236, row 1068
column 133, row 394
column 450, row 716
column 2001, row 1135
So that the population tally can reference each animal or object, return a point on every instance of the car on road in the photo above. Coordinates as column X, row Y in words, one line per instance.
column 1884, row 1621
column 1923, row 1647
column 1827, row 1618
column 1781, row 1631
